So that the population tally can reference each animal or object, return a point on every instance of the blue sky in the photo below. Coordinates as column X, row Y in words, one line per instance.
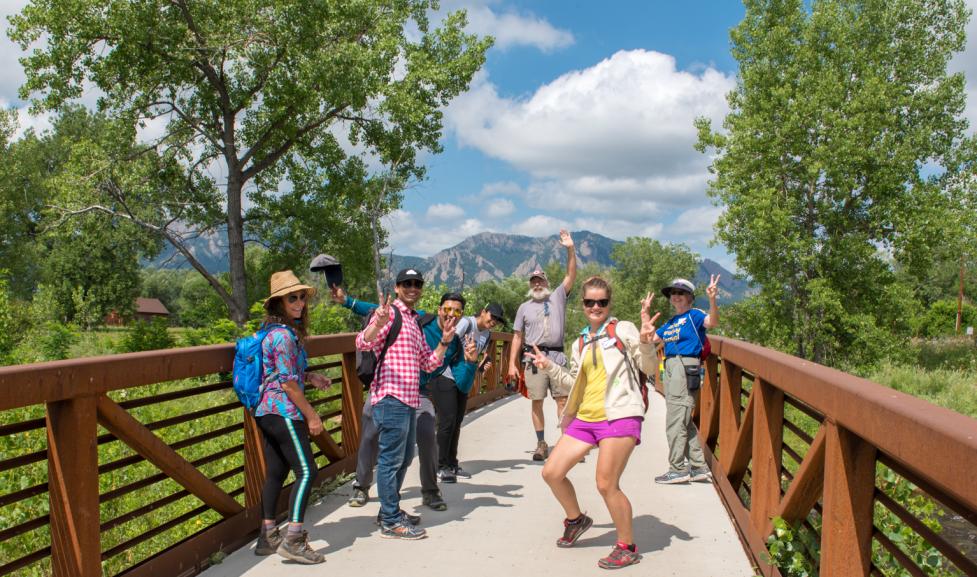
column 581, row 118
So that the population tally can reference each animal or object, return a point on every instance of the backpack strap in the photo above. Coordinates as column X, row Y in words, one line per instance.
column 635, row 374
column 391, row 337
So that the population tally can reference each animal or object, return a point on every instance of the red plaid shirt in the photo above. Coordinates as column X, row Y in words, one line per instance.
column 408, row 355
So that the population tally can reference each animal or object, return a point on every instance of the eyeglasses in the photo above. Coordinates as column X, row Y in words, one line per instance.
column 680, row 293
column 296, row 297
column 602, row 303
column 452, row 311
column 411, row 283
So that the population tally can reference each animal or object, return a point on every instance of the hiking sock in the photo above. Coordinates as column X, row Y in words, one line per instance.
column 267, row 525
column 622, row 545
column 294, row 528
column 539, row 435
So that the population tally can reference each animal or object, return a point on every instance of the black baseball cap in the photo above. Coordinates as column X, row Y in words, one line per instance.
column 495, row 310
column 409, row 274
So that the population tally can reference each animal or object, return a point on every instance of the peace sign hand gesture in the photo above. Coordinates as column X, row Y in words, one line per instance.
column 382, row 314
column 713, row 289
column 471, row 353
column 539, row 358
column 647, row 333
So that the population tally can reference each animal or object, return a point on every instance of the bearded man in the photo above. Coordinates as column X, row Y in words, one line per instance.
column 540, row 322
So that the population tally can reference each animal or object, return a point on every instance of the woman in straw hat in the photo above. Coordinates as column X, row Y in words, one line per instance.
column 286, row 418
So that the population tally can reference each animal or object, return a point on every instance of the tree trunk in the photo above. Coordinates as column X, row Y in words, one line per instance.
column 238, row 305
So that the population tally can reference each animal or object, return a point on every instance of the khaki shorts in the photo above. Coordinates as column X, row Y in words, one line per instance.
column 537, row 384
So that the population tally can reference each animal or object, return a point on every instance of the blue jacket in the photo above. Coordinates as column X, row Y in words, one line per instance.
column 462, row 371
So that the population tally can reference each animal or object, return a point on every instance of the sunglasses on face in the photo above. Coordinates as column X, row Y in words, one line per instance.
column 681, row 293
column 412, row 284
column 452, row 311
column 602, row 303
column 295, row 297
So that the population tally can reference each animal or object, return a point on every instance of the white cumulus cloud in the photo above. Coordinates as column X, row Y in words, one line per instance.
column 500, row 208
column 512, row 29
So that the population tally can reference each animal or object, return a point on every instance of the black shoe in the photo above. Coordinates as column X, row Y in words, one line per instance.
column 459, row 472
column 447, row 475
column 434, row 500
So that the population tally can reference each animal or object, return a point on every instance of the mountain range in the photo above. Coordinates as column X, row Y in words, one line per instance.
column 491, row 256
column 485, row 257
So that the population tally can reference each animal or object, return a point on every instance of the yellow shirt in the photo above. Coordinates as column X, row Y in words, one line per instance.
column 592, row 406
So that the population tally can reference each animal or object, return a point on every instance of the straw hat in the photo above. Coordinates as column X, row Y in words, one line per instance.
column 285, row 282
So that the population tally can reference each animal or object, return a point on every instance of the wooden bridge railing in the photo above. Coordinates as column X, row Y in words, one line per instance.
column 145, row 464
column 837, row 456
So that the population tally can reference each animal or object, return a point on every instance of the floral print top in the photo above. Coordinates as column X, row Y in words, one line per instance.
column 283, row 359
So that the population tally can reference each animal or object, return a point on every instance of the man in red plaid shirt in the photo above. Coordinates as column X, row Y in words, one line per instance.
column 395, row 394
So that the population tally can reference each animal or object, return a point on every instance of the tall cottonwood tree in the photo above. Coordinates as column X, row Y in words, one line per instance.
column 838, row 106
column 259, row 101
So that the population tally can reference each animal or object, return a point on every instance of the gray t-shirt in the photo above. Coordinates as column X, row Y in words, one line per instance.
column 465, row 326
column 541, row 323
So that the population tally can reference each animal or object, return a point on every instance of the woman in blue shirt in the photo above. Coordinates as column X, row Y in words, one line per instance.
column 286, row 418
column 683, row 336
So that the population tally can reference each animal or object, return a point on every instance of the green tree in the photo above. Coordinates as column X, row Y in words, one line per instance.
column 272, row 93
column 837, row 106
column 645, row 265
column 7, row 328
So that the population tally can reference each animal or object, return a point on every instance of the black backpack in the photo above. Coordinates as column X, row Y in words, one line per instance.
column 368, row 363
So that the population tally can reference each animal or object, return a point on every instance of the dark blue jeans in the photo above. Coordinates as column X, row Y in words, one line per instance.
column 396, row 426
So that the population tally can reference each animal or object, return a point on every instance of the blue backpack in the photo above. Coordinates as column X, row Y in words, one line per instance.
column 248, row 370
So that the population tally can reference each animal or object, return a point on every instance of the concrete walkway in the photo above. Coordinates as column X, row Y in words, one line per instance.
column 504, row 520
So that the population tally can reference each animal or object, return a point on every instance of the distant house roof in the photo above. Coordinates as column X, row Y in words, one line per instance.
column 150, row 307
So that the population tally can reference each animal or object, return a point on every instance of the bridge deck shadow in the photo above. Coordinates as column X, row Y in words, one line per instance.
column 504, row 520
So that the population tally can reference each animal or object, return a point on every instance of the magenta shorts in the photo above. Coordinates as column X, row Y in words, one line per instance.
column 592, row 433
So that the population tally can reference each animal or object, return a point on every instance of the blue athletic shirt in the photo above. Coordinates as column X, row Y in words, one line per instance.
column 684, row 334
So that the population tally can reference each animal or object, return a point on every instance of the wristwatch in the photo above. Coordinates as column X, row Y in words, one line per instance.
column 446, row 344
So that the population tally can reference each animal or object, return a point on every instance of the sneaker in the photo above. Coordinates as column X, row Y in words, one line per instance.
column 404, row 516
column 434, row 500
column 446, row 475
column 573, row 531
column 620, row 556
column 295, row 546
column 459, row 472
column 701, row 473
column 402, row 530
column 673, row 477
column 358, row 498
column 542, row 451
column 268, row 542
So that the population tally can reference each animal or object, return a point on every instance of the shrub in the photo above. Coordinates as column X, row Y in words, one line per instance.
column 147, row 336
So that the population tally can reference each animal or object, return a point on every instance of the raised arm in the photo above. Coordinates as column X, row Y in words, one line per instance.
column 712, row 291
column 567, row 241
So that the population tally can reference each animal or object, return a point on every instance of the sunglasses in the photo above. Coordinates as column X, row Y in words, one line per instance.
column 413, row 284
column 452, row 311
column 680, row 293
column 602, row 303
column 295, row 297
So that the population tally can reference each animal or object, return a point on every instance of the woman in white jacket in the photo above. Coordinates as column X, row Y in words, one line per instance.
column 605, row 408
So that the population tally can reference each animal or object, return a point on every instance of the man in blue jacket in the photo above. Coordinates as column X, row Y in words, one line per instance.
column 460, row 360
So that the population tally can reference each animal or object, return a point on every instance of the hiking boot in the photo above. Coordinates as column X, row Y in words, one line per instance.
column 542, row 451
column 358, row 498
column 701, row 473
column 402, row 530
column 405, row 516
column 446, row 475
column 434, row 500
column 620, row 556
column 572, row 530
column 673, row 478
column 268, row 542
column 295, row 546
column 459, row 472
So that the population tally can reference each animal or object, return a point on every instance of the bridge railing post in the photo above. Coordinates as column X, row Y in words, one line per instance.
column 849, row 488
column 352, row 404
column 73, row 487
